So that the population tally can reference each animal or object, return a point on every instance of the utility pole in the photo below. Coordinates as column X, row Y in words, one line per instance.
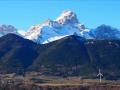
column 100, row 75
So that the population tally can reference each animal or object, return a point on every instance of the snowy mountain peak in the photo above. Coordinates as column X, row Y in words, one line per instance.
column 67, row 17
column 50, row 30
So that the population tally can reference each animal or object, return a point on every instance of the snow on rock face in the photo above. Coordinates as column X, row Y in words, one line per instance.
column 66, row 24
column 67, row 17
column 22, row 32
column 53, row 39
column 5, row 29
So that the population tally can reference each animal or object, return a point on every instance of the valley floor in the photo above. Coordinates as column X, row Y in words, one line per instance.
column 40, row 82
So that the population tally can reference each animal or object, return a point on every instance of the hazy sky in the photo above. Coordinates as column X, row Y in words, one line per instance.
column 25, row 13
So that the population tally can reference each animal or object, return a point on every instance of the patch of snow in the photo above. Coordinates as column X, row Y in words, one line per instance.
column 22, row 32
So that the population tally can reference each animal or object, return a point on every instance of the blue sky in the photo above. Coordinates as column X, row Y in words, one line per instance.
column 25, row 13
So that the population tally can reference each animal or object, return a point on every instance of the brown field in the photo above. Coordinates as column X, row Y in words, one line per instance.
column 40, row 82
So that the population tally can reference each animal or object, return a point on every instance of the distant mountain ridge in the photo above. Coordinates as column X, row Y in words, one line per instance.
column 6, row 29
column 65, row 25
column 105, row 32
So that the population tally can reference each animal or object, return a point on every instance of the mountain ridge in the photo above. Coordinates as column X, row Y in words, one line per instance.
column 66, row 24
column 69, row 56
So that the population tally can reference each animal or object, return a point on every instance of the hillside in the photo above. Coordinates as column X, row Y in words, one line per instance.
column 69, row 56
